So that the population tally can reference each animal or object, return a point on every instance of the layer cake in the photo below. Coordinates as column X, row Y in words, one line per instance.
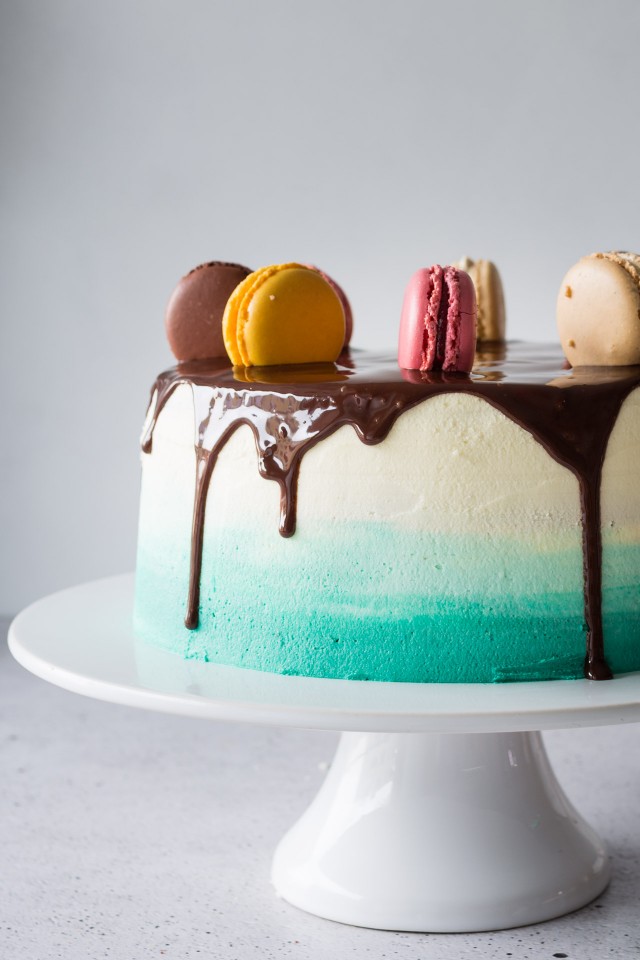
column 358, row 520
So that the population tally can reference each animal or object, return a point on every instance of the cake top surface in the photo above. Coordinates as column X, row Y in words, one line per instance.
column 569, row 411
column 514, row 362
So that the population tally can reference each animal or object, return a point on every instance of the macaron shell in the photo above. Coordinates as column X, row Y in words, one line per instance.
column 468, row 322
column 298, row 319
column 598, row 313
column 246, row 300
column 411, row 338
column 290, row 315
column 490, row 302
column 344, row 300
column 193, row 317
column 241, row 295
column 419, row 320
column 491, row 314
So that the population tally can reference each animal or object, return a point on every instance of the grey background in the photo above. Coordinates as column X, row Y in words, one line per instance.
column 139, row 139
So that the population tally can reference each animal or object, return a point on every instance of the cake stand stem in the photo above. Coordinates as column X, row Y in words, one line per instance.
column 440, row 833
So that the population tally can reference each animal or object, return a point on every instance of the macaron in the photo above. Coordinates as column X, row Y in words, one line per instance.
column 598, row 310
column 438, row 321
column 281, row 314
column 193, row 318
column 489, row 298
column 346, row 306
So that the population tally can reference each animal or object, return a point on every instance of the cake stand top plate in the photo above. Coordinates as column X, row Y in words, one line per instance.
column 82, row 639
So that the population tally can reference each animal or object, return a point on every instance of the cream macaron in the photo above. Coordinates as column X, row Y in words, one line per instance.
column 491, row 321
column 598, row 310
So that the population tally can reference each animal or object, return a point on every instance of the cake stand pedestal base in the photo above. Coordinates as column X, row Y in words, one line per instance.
column 444, row 817
column 440, row 833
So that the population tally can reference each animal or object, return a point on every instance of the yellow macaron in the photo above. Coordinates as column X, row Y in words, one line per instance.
column 284, row 313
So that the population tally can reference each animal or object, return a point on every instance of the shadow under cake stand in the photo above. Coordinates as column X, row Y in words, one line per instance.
column 440, row 812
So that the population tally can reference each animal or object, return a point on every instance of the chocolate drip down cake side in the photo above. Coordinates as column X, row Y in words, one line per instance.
column 468, row 511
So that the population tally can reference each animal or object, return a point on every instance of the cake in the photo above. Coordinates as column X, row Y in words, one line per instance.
column 360, row 520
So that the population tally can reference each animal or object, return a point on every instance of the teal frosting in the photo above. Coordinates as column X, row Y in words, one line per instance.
column 371, row 602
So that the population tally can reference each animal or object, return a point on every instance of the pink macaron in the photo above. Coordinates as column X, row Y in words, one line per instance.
column 344, row 300
column 438, row 321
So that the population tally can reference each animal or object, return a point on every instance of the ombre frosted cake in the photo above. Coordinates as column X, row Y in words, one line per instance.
column 358, row 520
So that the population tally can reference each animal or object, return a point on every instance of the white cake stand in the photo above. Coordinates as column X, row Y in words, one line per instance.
column 440, row 812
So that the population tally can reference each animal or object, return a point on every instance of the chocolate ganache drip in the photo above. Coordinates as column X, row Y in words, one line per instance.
column 290, row 409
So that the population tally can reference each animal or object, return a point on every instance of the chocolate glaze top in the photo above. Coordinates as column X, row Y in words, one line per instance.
column 290, row 409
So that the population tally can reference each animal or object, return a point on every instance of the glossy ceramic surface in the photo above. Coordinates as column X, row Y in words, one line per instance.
column 440, row 833
column 445, row 816
column 82, row 639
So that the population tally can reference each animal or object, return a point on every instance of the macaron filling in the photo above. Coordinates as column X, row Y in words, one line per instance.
column 442, row 322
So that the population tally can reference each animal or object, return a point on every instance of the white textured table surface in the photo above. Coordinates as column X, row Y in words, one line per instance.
column 128, row 834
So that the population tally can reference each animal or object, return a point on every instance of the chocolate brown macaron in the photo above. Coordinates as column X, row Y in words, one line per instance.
column 193, row 319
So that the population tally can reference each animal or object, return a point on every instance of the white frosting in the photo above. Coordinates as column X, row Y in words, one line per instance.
column 477, row 472
column 459, row 511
